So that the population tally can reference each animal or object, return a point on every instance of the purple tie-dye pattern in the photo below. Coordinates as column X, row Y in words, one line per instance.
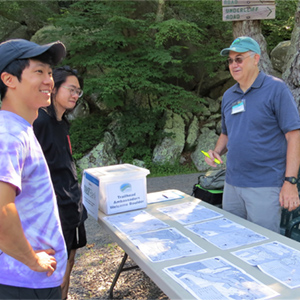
column 22, row 164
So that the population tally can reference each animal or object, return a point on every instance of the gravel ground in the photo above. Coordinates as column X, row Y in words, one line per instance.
column 96, row 264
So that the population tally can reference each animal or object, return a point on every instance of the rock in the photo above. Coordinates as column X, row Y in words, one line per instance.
column 209, row 83
column 11, row 29
column 182, row 160
column 21, row 19
column 101, row 155
column 114, row 127
column 291, row 74
column 171, row 147
column 219, row 127
column 214, row 106
column 278, row 55
column 79, row 111
column 206, row 141
column 139, row 163
column 192, row 134
column 204, row 111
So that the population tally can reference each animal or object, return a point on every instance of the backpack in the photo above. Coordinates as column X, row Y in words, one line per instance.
column 212, row 179
column 210, row 187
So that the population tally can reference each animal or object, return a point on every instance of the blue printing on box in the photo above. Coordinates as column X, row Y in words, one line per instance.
column 92, row 179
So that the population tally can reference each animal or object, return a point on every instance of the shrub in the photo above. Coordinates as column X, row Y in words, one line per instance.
column 139, row 131
column 87, row 132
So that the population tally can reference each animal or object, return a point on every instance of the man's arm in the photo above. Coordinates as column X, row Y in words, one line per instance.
column 289, row 196
column 12, row 239
column 220, row 149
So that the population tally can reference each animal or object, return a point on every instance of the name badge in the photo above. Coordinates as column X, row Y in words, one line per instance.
column 238, row 107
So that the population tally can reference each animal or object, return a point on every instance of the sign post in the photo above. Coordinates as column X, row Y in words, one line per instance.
column 240, row 10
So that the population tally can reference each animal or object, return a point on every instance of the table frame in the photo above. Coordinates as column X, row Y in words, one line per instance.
column 169, row 286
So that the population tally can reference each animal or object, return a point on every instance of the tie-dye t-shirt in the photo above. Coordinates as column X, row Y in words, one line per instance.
column 22, row 164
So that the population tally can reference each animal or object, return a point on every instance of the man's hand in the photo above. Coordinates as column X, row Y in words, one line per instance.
column 213, row 155
column 45, row 262
column 289, row 196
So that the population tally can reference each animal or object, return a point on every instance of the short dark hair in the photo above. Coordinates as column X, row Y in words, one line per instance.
column 17, row 67
column 60, row 75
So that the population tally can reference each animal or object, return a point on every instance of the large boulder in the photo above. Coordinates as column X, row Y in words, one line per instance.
column 291, row 73
column 206, row 141
column 211, row 83
column 11, row 29
column 278, row 55
column 79, row 111
column 101, row 155
column 21, row 19
column 170, row 149
column 192, row 134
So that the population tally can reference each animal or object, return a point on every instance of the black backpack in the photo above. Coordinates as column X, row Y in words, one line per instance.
column 210, row 187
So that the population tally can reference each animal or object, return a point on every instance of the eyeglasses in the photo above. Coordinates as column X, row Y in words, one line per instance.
column 238, row 60
column 74, row 91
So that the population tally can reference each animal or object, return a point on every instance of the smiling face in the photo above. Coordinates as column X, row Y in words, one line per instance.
column 63, row 99
column 36, row 85
column 246, row 71
column 29, row 92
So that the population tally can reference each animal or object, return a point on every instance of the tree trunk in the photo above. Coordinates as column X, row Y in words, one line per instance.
column 160, row 14
column 252, row 28
column 291, row 74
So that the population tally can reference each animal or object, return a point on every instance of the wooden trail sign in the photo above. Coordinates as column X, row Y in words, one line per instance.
column 240, row 13
column 248, row 10
column 247, row 2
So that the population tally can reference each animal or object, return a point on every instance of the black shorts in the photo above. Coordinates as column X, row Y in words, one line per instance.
column 14, row 292
column 75, row 238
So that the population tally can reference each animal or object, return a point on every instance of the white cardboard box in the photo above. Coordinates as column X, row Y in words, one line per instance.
column 114, row 189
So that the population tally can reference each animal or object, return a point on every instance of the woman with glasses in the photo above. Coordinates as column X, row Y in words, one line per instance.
column 52, row 130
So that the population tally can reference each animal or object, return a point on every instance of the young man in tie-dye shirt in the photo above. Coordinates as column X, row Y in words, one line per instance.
column 32, row 249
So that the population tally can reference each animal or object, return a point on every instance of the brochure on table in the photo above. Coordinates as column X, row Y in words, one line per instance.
column 189, row 212
column 275, row 259
column 165, row 244
column 225, row 234
column 212, row 278
column 216, row 278
column 162, row 197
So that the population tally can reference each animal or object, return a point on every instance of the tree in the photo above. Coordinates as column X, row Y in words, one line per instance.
column 292, row 72
column 131, row 52
column 144, row 51
column 268, row 33
column 252, row 28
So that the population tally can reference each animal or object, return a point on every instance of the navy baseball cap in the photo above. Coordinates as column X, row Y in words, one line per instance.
column 13, row 49
column 242, row 44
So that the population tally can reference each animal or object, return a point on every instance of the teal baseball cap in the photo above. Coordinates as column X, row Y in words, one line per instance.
column 242, row 44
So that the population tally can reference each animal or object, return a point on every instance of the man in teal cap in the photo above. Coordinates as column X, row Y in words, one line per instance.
column 260, row 133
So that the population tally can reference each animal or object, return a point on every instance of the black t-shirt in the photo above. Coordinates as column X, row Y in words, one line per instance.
column 54, row 138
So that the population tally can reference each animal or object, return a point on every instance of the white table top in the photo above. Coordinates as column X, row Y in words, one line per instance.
column 169, row 286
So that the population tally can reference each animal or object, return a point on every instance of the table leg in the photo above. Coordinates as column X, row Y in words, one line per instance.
column 119, row 271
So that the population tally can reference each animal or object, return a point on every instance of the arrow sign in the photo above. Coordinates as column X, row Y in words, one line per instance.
column 241, row 13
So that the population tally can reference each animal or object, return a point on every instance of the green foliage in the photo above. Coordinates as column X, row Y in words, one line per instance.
column 167, row 169
column 87, row 132
column 127, row 54
column 122, row 50
column 215, row 33
column 139, row 130
column 280, row 29
column 32, row 13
